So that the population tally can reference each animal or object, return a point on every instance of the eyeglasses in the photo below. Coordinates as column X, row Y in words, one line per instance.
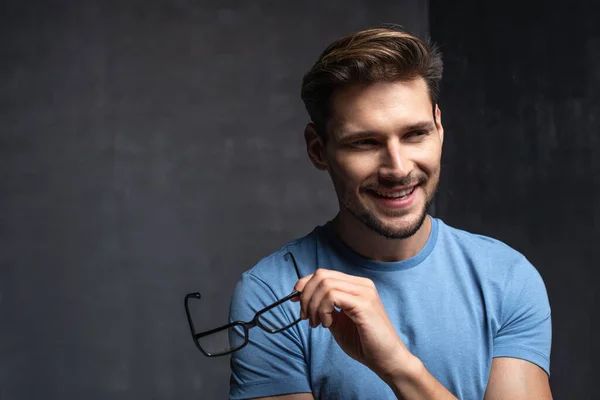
column 232, row 337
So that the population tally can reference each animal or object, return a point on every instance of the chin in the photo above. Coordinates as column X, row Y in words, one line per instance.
column 392, row 227
column 402, row 230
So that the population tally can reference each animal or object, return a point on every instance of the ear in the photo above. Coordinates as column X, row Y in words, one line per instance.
column 315, row 147
column 438, row 123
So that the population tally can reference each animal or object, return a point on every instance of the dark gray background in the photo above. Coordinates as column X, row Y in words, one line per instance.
column 152, row 148
column 521, row 109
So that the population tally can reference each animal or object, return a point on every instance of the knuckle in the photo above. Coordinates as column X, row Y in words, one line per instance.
column 322, row 312
column 326, row 285
column 368, row 282
column 330, row 297
column 320, row 272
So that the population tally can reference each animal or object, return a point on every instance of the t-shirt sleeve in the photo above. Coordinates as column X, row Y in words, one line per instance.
column 271, row 363
column 526, row 329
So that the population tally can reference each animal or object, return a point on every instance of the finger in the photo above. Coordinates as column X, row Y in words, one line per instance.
column 308, row 289
column 349, row 304
column 296, row 296
column 309, row 283
column 317, row 299
column 306, row 286
column 327, row 273
column 299, row 286
column 326, row 311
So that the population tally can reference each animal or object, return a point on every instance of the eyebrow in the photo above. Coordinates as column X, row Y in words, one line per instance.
column 363, row 134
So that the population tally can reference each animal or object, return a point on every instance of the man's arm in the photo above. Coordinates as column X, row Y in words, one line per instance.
column 295, row 396
column 512, row 378
column 364, row 332
column 418, row 383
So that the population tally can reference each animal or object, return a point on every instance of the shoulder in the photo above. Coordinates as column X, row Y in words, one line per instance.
column 474, row 242
column 512, row 285
column 278, row 272
column 488, row 254
column 505, row 274
column 501, row 271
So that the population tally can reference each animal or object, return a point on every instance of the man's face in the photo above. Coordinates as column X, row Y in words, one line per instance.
column 383, row 154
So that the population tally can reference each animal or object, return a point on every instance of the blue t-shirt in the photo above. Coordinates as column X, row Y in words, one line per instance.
column 461, row 301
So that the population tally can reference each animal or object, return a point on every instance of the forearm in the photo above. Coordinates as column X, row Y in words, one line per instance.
column 416, row 382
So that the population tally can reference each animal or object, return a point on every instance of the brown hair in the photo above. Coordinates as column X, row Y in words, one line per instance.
column 373, row 55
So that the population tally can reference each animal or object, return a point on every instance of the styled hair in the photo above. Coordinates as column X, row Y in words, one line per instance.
column 369, row 56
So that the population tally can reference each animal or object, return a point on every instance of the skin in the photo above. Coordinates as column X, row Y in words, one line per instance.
column 383, row 137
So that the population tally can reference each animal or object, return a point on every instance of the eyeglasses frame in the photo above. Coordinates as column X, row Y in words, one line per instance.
column 245, row 325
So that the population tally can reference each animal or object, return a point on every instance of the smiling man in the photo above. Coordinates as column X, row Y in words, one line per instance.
column 399, row 304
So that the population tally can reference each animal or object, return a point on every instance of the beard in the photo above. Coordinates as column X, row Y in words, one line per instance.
column 365, row 215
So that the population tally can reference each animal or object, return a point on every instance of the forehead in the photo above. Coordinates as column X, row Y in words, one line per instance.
column 380, row 106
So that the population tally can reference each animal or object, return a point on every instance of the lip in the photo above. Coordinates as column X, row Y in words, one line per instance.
column 395, row 204
column 396, row 190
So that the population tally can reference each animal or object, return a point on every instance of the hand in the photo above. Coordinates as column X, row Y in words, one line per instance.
column 362, row 328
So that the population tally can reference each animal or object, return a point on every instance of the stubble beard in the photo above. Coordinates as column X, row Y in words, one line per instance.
column 371, row 221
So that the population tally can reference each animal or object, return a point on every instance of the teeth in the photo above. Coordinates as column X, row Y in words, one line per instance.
column 394, row 195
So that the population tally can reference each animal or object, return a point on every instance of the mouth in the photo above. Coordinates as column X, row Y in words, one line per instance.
column 397, row 199
column 394, row 195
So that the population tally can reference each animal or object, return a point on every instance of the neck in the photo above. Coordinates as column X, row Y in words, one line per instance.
column 374, row 246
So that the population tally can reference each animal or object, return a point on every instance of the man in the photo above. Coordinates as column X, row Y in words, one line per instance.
column 398, row 303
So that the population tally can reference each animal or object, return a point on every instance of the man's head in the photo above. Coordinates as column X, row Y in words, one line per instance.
column 376, row 127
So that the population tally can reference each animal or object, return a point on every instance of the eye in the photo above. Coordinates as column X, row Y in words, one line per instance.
column 365, row 142
column 416, row 134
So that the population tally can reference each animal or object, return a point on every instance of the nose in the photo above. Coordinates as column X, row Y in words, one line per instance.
column 395, row 165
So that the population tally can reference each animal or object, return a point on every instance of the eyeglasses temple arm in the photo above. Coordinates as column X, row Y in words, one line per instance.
column 189, row 296
column 294, row 262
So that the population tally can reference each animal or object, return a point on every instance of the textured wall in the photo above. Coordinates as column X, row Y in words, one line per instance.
column 149, row 149
column 521, row 109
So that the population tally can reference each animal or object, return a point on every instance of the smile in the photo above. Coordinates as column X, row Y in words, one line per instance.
column 395, row 195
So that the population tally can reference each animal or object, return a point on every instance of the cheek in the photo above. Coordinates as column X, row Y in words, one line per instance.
column 355, row 170
column 428, row 158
